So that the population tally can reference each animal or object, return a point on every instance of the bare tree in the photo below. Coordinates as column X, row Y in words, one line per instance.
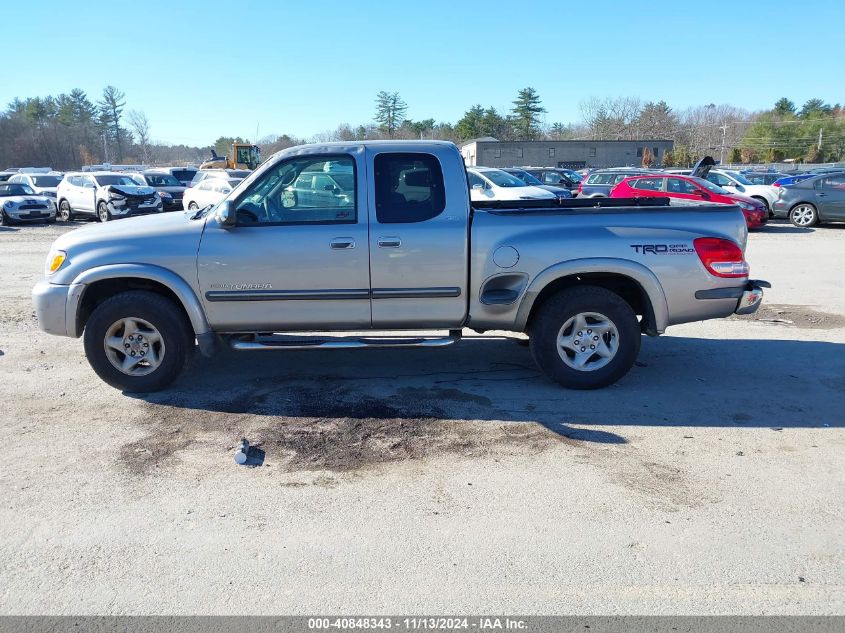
column 140, row 126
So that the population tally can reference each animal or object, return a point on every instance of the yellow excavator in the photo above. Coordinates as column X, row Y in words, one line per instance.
column 244, row 156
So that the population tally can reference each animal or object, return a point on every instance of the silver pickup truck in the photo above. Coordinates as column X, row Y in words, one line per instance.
column 381, row 237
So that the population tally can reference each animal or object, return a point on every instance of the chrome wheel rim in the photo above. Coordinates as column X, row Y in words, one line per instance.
column 64, row 209
column 588, row 341
column 193, row 206
column 134, row 346
column 803, row 215
column 104, row 213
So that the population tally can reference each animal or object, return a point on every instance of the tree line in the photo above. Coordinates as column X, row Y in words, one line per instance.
column 70, row 130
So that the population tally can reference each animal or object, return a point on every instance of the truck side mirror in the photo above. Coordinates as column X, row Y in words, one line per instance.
column 226, row 214
column 478, row 187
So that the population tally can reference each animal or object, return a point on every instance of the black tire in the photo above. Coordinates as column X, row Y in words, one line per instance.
column 762, row 201
column 103, row 214
column 192, row 206
column 4, row 221
column 65, row 213
column 804, row 215
column 168, row 319
column 567, row 304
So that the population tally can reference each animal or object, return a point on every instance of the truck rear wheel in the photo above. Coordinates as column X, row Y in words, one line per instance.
column 585, row 337
column 138, row 341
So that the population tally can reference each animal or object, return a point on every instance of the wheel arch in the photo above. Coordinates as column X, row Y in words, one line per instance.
column 636, row 284
column 95, row 285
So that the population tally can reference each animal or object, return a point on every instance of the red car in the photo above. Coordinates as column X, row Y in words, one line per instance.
column 690, row 188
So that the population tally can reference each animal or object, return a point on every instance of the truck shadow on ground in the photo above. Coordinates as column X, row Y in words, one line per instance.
column 339, row 410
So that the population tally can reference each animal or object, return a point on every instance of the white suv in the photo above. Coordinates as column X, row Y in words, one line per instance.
column 44, row 184
column 105, row 195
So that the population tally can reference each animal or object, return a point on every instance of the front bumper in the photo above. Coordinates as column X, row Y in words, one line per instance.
column 50, row 301
column 30, row 215
column 130, row 211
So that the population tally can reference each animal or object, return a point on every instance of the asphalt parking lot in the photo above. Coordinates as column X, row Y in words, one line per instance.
column 710, row 480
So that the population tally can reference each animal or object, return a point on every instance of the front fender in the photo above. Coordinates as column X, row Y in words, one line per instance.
column 166, row 277
column 646, row 279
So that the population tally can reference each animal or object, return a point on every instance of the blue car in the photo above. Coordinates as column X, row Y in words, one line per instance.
column 791, row 180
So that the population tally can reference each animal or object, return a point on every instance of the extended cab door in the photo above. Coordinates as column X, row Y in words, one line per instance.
column 295, row 260
column 419, row 216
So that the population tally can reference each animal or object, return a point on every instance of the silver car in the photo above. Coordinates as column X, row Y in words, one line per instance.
column 21, row 204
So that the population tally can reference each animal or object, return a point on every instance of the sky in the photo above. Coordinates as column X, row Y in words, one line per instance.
column 200, row 70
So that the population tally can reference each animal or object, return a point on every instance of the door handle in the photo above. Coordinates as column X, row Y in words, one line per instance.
column 820, row 194
column 342, row 242
column 389, row 242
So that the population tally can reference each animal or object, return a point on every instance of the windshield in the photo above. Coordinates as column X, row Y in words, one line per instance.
column 16, row 189
column 502, row 178
column 739, row 177
column 162, row 180
column 525, row 177
column 115, row 180
column 709, row 186
column 47, row 181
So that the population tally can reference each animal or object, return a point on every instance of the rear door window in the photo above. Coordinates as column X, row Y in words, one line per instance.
column 679, row 185
column 834, row 182
column 409, row 187
column 647, row 184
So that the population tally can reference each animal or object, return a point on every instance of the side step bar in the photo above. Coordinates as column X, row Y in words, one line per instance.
column 251, row 342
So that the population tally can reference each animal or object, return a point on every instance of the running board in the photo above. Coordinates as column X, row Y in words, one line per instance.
column 288, row 342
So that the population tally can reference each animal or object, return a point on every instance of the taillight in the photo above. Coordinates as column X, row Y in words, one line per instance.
column 721, row 258
column 581, row 186
column 775, row 184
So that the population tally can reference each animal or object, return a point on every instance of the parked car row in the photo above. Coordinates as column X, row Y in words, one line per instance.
column 805, row 200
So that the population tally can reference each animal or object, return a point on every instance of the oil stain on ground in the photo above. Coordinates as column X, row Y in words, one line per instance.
column 318, row 425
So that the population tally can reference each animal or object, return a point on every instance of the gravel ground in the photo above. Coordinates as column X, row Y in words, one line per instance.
column 710, row 480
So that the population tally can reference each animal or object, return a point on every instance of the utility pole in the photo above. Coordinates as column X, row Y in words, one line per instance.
column 105, row 149
column 820, row 139
column 724, row 128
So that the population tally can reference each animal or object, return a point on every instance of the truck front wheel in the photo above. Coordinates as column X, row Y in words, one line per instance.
column 138, row 341
column 585, row 337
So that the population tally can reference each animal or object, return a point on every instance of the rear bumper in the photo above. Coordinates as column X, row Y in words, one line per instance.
column 780, row 209
column 748, row 297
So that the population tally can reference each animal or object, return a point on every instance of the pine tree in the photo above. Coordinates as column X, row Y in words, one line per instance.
column 390, row 111
column 526, row 115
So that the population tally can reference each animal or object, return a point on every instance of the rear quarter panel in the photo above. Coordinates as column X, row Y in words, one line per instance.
column 564, row 243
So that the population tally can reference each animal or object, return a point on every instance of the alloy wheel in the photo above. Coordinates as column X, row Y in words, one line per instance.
column 588, row 341
column 134, row 346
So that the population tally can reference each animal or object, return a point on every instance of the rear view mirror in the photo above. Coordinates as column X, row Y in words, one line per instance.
column 478, row 187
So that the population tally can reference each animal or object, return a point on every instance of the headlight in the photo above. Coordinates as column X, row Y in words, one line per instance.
column 746, row 206
column 54, row 261
column 164, row 194
column 9, row 204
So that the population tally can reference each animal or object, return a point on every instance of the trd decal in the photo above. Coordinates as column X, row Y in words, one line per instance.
column 662, row 249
